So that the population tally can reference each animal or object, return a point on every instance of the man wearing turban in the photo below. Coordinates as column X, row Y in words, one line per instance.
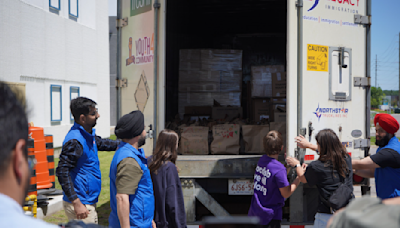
column 385, row 164
column 131, row 188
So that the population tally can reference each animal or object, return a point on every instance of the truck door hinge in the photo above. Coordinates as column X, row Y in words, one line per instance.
column 362, row 143
column 121, row 83
column 362, row 82
column 122, row 22
column 362, row 20
column 299, row 3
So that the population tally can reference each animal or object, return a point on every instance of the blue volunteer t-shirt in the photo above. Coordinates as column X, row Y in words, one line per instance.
column 267, row 201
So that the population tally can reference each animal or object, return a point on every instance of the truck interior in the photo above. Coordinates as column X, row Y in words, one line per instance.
column 259, row 29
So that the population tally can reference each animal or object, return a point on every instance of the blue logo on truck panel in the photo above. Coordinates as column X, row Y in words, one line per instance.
column 331, row 112
column 315, row 5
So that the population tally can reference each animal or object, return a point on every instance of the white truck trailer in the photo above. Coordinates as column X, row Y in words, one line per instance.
column 324, row 46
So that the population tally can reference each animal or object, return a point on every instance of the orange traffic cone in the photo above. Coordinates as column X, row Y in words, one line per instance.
column 31, row 153
column 50, row 158
column 42, row 168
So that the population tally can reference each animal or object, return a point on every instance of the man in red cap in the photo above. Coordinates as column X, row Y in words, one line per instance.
column 385, row 164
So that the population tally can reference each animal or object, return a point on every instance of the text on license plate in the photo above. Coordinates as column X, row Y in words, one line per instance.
column 241, row 187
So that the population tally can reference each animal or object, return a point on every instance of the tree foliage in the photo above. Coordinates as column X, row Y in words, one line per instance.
column 376, row 96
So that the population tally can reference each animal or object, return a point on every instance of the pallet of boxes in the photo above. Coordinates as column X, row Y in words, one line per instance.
column 266, row 104
column 210, row 112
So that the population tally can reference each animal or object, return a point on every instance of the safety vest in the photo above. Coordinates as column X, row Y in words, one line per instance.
column 86, row 176
column 387, row 180
column 141, row 204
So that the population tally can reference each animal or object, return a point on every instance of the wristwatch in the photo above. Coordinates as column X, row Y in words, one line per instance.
column 297, row 165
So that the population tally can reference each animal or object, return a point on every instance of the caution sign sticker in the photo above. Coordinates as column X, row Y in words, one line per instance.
column 317, row 57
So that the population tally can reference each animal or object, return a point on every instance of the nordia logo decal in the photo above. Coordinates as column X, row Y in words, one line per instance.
column 331, row 112
column 315, row 5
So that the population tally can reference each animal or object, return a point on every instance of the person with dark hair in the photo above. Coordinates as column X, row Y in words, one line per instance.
column 15, row 165
column 131, row 189
column 170, row 207
column 327, row 173
column 271, row 185
column 78, row 169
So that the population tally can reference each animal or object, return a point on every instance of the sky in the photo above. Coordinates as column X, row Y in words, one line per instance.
column 385, row 31
column 384, row 41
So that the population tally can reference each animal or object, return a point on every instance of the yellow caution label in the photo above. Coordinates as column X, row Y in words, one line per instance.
column 317, row 57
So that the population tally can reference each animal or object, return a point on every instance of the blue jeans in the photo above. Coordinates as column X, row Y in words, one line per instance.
column 321, row 219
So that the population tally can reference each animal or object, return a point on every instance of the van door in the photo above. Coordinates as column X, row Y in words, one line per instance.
column 137, row 61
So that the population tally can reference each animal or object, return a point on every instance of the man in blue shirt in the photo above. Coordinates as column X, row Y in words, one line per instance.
column 385, row 164
column 15, row 165
column 131, row 188
column 78, row 170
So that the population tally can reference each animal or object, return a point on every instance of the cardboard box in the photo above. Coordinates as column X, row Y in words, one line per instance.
column 231, row 81
column 221, row 59
column 279, row 84
column 280, row 116
column 228, row 113
column 262, row 109
column 226, row 139
column 253, row 136
column 209, row 87
column 207, row 99
column 199, row 76
column 194, row 140
column 199, row 81
column 189, row 59
column 198, row 110
column 261, row 80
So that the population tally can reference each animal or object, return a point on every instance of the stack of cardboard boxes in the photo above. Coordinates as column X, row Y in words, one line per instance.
column 268, row 92
column 209, row 75
column 210, row 87
column 268, row 96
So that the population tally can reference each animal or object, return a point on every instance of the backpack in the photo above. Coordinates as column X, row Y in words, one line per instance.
column 340, row 197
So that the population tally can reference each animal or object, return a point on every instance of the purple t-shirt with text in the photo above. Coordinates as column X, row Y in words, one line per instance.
column 267, row 201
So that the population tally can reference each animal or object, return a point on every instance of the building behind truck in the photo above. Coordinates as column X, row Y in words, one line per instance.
column 53, row 51
column 224, row 73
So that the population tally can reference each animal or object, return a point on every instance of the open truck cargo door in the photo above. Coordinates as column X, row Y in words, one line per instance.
column 138, row 63
column 328, row 61
column 333, row 59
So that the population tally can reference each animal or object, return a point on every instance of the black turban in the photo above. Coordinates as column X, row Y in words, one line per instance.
column 130, row 125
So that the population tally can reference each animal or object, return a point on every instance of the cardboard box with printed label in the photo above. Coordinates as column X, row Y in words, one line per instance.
column 261, row 80
column 262, row 109
column 279, row 84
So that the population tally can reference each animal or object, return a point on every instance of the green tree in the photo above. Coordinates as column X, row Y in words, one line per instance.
column 376, row 97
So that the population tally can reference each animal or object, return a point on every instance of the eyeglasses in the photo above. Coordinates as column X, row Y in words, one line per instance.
column 94, row 113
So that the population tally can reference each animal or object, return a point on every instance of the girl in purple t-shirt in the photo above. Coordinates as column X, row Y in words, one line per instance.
column 271, row 186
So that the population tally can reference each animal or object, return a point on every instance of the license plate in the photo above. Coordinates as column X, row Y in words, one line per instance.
column 240, row 187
